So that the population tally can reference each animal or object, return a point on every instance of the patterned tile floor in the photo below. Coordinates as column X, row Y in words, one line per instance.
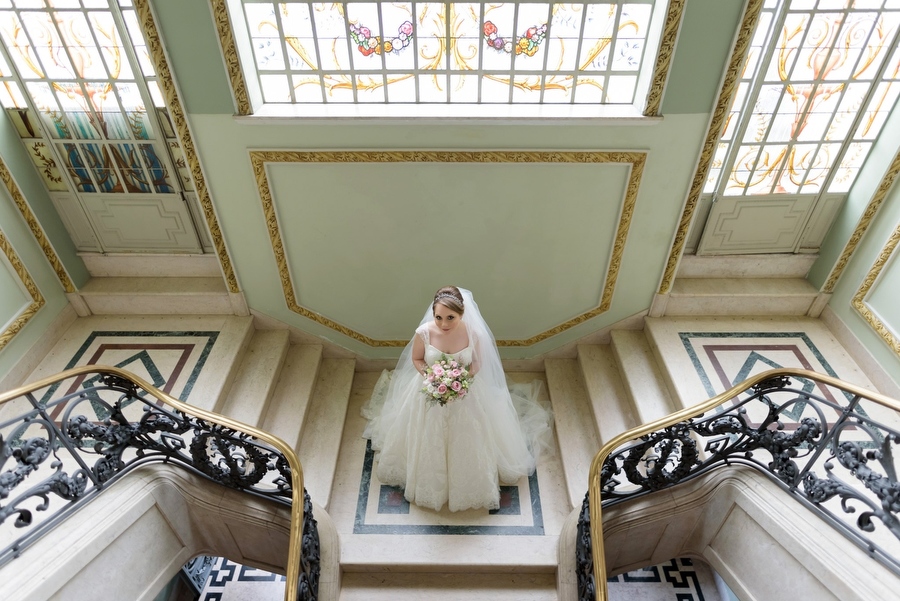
column 676, row 580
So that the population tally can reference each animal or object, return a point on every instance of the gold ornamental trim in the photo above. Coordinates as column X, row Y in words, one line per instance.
column 173, row 102
column 716, row 125
column 859, row 299
column 230, row 54
column 259, row 159
column 863, row 225
column 37, row 299
column 36, row 230
column 664, row 56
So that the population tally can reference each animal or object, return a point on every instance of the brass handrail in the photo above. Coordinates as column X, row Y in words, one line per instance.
column 295, row 537
column 601, row 591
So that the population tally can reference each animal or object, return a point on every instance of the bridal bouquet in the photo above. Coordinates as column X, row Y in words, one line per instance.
column 446, row 381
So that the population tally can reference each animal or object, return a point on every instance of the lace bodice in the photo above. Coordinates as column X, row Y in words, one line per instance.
column 432, row 354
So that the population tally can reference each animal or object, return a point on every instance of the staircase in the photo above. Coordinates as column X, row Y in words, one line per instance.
column 310, row 395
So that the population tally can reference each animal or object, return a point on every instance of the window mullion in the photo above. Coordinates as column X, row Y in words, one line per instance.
column 746, row 110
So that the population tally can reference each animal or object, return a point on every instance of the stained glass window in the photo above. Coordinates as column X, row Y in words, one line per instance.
column 820, row 79
column 76, row 80
column 451, row 53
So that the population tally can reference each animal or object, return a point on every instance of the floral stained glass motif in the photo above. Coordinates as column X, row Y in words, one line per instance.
column 816, row 89
column 69, row 64
column 458, row 52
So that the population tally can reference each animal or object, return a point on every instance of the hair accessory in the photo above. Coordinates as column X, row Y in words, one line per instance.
column 448, row 295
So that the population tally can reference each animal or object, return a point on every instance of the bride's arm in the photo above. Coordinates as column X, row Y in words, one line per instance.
column 418, row 355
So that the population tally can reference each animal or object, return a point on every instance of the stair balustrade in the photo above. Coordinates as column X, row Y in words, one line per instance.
column 92, row 425
column 827, row 443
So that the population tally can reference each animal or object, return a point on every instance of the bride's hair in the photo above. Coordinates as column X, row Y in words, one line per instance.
column 450, row 297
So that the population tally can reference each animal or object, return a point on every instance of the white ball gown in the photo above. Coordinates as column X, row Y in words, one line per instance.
column 456, row 454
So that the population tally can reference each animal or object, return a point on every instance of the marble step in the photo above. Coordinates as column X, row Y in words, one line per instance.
column 447, row 586
column 740, row 296
column 256, row 377
column 290, row 401
column 613, row 410
column 157, row 296
column 320, row 440
column 641, row 375
column 577, row 438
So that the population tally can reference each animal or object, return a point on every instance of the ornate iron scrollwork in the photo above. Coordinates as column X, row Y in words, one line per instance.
column 788, row 432
column 107, row 427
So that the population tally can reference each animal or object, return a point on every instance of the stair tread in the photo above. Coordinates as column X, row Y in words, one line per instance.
column 256, row 377
column 319, row 447
column 641, row 375
column 571, row 412
column 613, row 411
column 125, row 285
column 393, row 586
column 743, row 286
column 291, row 399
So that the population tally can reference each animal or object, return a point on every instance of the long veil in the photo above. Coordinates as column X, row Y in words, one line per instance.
column 534, row 417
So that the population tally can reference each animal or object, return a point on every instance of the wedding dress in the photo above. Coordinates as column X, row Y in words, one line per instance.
column 456, row 454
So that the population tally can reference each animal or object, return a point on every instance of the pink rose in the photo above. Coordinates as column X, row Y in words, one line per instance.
column 438, row 371
column 455, row 373
column 456, row 386
column 462, row 393
column 406, row 28
column 364, row 32
column 430, row 377
column 454, row 364
column 442, row 389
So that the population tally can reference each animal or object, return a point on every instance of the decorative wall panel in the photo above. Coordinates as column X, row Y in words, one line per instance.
column 164, row 223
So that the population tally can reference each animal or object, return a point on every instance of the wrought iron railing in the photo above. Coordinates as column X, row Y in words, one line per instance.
column 92, row 425
column 828, row 443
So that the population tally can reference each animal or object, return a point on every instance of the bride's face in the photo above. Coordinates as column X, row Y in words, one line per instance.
column 446, row 318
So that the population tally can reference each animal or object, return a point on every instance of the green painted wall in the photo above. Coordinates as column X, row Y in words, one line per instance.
column 27, row 248
column 29, row 181
column 193, row 51
column 701, row 55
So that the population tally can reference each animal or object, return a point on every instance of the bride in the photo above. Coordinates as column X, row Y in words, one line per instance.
column 456, row 453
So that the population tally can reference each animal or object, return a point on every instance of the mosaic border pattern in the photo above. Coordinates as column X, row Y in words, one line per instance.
column 37, row 299
column 704, row 377
column 259, row 159
column 192, row 378
column 361, row 527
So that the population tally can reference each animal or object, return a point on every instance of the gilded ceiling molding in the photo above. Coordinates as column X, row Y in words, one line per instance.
column 664, row 57
column 259, row 159
column 167, row 84
column 716, row 125
column 230, row 53
column 37, row 300
column 863, row 225
column 859, row 299
column 36, row 230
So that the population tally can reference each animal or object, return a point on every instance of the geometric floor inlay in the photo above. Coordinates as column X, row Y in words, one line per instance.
column 723, row 359
column 382, row 509
column 170, row 360
column 678, row 580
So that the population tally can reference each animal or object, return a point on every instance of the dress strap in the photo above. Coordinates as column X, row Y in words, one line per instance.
column 422, row 331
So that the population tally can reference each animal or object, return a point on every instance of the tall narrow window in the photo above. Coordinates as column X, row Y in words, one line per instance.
column 818, row 83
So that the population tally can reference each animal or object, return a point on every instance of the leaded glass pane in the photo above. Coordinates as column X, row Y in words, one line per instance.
column 493, row 53
column 80, row 80
column 820, row 66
